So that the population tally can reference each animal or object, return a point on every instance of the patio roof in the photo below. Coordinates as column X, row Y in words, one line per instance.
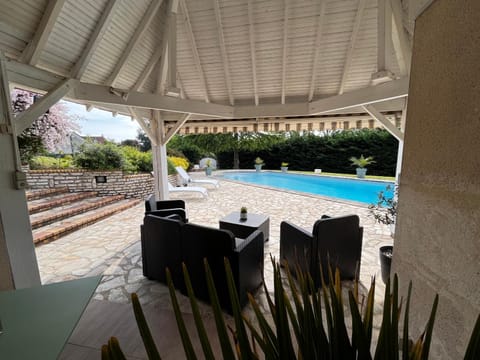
column 199, row 60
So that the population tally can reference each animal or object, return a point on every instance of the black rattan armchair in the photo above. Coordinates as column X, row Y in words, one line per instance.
column 334, row 241
column 165, row 207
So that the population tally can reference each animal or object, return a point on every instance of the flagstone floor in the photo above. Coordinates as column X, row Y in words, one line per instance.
column 112, row 246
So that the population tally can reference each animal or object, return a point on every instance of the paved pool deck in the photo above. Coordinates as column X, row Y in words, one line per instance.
column 112, row 246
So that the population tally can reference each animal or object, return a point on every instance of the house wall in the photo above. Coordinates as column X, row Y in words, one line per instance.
column 437, row 243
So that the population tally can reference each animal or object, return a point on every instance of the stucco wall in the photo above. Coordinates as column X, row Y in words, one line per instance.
column 437, row 242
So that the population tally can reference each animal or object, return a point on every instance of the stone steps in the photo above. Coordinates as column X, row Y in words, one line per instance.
column 57, row 229
column 59, row 213
column 41, row 193
column 56, row 212
column 48, row 203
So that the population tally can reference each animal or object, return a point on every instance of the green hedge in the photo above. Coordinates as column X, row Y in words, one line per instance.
column 330, row 153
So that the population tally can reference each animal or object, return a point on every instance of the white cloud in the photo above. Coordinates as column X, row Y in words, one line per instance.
column 99, row 122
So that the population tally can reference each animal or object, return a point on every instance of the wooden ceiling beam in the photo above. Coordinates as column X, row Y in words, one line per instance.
column 316, row 56
column 26, row 118
column 285, row 48
column 103, row 94
column 172, row 131
column 377, row 115
column 351, row 46
column 145, row 127
column 223, row 51
column 81, row 65
column 193, row 44
column 134, row 41
column 401, row 44
column 251, row 34
column 31, row 53
column 373, row 94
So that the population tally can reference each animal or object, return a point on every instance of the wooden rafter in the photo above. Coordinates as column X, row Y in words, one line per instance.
column 148, row 69
column 34, row 49
column 373, row 94
column 26, row 118
column 384, row 37
column 193, row 44
column 285, row 47
column 223, row 51
column 168, row 61
column 42, row 80
column 351, row 46
column 318, row 40
column 401, row 43
column 176, row 128
column 251, row 34
column 97, row 36
column 103, row 94
column 134, row 41
column 143, row 125
column 180, row 85
column 377, row 115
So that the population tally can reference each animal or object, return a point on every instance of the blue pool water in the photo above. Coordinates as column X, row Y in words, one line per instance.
column 348, row 189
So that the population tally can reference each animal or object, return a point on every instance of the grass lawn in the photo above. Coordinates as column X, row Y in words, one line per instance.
column 353, row 176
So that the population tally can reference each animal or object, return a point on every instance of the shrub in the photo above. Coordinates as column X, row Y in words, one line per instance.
column 179, row 161
column 170, row 167
column 136, row 160
column 50, row 162
column 100, row 157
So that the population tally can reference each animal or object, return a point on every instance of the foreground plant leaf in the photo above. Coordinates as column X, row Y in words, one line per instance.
column 145, row 333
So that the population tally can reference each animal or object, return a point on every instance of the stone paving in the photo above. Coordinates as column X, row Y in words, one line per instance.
column 112, row 246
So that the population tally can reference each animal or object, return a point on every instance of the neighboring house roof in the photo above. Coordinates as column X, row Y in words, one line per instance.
column 74, row 141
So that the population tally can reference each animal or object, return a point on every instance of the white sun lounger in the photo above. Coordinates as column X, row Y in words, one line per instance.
column 184, row 175
column 185, row 189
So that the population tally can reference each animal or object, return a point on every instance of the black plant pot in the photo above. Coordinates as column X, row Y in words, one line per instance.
column 386, row 253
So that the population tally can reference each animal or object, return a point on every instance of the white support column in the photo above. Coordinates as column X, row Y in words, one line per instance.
column 18, row 263
column 160, row 167
column 398, row 170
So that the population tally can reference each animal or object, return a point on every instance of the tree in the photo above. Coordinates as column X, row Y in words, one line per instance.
column 131, row 142
column 47, row 131
column 235, row 142
column 144, row 141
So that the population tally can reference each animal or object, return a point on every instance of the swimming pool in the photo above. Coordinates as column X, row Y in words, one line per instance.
column 364, row 191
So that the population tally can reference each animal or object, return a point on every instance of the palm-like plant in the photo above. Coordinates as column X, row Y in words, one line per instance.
column 309, row 323
column 362, row 161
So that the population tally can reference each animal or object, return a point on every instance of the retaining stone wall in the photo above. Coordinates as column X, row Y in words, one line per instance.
column 77, row 180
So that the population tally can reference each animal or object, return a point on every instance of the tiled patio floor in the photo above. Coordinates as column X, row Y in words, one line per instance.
column 112, row 247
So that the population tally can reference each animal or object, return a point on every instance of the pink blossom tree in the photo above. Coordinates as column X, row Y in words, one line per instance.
column 48, row 131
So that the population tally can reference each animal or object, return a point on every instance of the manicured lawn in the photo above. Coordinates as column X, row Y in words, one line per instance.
column 353, row 176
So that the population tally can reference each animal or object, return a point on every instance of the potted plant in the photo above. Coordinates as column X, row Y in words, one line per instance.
column 243, row 213
column 284, row 167
column 258, row 164
column 384, row 211
column 208, row 167
column 360, row 163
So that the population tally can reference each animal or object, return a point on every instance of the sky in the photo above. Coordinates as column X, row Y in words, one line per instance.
column 98, row 122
